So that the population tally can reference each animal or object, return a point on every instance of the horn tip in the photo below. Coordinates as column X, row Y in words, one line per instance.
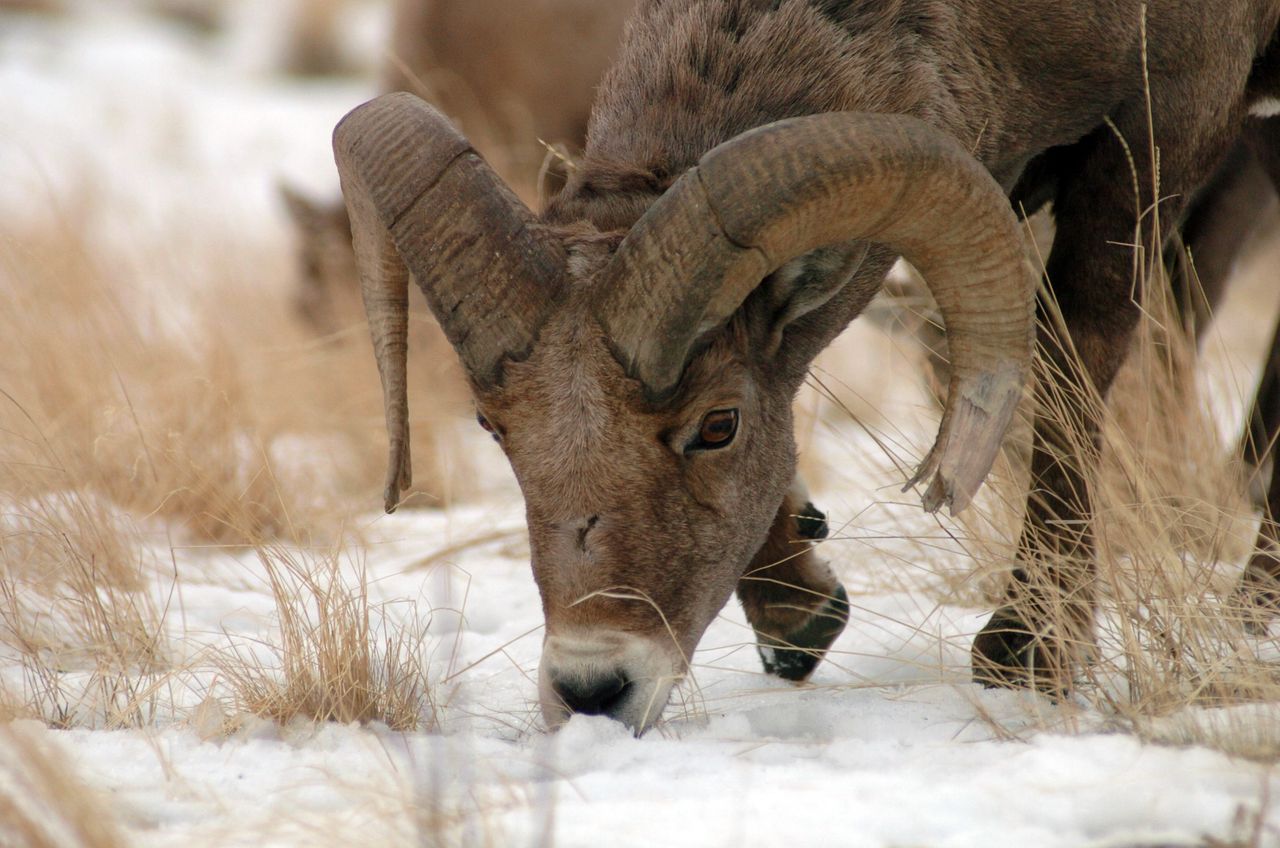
column 980, row 408
column 399, row 478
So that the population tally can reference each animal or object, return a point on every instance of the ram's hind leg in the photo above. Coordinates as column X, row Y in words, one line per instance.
column 1260, row 589
column 1221, row 219
column 1045, row 626
column 792, row 599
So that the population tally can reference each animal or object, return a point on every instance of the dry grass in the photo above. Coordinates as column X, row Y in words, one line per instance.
column 1172, row 528
column 216, row 413
column 153, row 398
column 339, row 658
column 42, row 803
column 76, row 614
column 100, row 400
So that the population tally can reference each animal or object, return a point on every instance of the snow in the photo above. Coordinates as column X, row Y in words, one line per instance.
column 888, row 745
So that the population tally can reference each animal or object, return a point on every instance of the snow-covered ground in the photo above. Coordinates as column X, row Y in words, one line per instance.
column 889, row 745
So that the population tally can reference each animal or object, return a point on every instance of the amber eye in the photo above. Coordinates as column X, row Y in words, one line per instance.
column 717, row 430
column 488, row 428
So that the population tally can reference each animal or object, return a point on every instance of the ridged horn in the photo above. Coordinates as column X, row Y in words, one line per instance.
column 422, row 201
column 779, row 191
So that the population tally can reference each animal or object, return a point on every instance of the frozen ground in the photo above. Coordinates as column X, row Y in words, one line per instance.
column 888, row 746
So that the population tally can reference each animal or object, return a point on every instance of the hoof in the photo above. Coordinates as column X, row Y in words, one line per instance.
column 811, row 523
column 796, row 655
column 1257, row 599
column 1007, row 653
column 1256, row 609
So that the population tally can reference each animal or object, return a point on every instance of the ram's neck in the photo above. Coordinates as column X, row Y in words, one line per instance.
column 692, row 74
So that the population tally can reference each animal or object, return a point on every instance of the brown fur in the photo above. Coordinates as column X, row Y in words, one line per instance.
column 585, row 442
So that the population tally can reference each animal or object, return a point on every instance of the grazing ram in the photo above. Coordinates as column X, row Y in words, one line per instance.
column 752, row 169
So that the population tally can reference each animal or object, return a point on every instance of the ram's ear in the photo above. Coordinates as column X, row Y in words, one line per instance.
column 305, row 211
column 799, row 290
column 310, row 215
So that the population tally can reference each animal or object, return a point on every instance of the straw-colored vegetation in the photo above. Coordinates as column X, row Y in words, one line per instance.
column 215, row 410
column 339, row 658
column 86, row 635
column 134, row 422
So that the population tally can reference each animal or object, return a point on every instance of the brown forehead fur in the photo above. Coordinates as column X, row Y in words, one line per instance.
column 569, row 410
column 584, row 441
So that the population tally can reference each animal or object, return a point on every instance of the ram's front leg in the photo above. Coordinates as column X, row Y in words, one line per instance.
column 1045, row 627
column 792, row 599
column 1260, row 589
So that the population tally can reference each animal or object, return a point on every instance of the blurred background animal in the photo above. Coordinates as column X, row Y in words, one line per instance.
column 517, row 77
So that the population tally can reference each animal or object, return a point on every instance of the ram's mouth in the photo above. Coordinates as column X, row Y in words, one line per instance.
column 622, row 676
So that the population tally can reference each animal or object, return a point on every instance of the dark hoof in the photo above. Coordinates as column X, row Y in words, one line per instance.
column 1256, row 601
column 811, row 523
column 1256, row 608
column 1007, row 653
column 796, row 655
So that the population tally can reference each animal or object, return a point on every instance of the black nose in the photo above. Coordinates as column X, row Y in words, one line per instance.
column 595, row 696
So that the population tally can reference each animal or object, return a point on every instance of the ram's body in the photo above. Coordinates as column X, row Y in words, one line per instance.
column 671, row 296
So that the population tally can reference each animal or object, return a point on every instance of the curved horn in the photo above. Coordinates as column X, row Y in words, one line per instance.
column 422, row 201
column 777, row 192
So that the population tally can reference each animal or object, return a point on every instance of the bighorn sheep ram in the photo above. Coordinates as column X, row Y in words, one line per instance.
column 752, row 169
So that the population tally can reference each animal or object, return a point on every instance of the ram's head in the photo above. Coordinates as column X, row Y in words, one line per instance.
column 640, row 381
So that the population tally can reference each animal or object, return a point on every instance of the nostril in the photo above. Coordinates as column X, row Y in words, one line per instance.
column 593, row 697
column 584, row 528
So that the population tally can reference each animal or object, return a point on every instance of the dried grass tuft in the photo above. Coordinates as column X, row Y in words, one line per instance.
column 76, row 614
column 1173, row 527
column 339, row 658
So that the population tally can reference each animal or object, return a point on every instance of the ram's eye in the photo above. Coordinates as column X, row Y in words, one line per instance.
column 716, row 431
column 488, row 428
